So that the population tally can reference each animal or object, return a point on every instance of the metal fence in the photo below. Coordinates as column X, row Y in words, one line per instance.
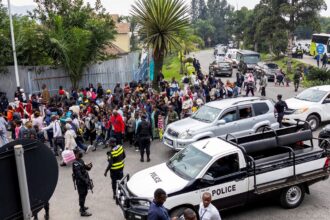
column 108, row 73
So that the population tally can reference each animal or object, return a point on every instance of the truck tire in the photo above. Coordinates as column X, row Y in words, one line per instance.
column 292, row 197
column 314, row 122
column 178, row 212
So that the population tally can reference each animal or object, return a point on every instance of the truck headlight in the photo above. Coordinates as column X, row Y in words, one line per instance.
column 300, row 111
column 184, row 135
column 144, row 203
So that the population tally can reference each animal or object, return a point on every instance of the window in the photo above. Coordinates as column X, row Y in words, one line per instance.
column 189, row 162
column 224, row 166
column 229, row 116
column 260, row 108
column 245, row 112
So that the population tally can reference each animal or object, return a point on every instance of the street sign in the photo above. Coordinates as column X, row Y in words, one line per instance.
column 41, row 173
column 320, row 49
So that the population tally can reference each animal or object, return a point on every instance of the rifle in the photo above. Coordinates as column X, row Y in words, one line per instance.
column 74, row 181
column 90, row 183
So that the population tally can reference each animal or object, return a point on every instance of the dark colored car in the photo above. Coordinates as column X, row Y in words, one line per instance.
column 269, row 68
column 221, row 69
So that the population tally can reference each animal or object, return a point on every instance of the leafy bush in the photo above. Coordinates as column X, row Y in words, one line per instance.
column 317, row 74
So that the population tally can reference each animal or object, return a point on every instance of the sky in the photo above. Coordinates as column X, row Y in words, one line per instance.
column 123, row 7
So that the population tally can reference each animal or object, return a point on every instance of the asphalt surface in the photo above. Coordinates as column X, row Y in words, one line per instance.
column 64, row 203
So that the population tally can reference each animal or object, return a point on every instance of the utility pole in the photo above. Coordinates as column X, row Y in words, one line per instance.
column 13, row 44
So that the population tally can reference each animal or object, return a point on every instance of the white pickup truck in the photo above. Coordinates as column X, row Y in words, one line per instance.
column 234, row 170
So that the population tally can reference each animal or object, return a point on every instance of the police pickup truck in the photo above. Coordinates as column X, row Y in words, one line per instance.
column 235, row 171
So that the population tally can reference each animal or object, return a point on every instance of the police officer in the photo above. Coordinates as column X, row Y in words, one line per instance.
column 82, row 180
column 280, row 107
column 116, row 163
column 144, row 134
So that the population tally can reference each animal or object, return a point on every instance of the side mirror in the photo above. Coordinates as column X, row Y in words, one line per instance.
column 221, row 122
column 208, row 179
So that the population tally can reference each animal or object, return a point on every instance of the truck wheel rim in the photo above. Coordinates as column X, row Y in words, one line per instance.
column 312, row 123
column 293, row 195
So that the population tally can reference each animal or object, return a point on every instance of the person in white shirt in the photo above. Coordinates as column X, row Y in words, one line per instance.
column 57, row 134
column 207, row 211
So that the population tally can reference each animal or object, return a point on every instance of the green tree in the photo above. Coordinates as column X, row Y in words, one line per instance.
column 194, row 10
column 204, row 29
column 300, row 12
column 202, row 10
column 77, row 34
column 239, row 23
column 161, row 21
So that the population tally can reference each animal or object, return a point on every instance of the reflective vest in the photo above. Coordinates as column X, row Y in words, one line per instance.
column 117, row 156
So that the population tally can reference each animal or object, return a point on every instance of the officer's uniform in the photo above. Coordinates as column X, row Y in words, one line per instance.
column 82, row 181
column 280, row 107
column 116, row 165
column 144, row 133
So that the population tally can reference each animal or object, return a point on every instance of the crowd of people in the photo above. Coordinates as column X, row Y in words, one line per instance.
column 88, row 117
column 82, row 120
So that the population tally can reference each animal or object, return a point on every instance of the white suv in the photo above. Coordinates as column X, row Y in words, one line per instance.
column 239, row 116
column 312, row 105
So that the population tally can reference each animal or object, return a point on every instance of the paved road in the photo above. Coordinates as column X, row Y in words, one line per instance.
column 64, row 203
column 311, row 61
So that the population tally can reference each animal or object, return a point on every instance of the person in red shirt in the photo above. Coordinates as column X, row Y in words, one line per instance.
column 118, row 126
column 61, row 91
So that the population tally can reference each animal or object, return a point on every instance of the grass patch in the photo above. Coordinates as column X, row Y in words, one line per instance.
column 171, row 67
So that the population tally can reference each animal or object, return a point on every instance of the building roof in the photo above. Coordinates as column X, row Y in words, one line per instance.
column 113, row 49
column 122, row 28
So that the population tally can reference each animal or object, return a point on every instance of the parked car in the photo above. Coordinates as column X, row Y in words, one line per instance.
column 269, row 68
column 239, row 116
column 220, row 69
column 280, row 164
column 311, row 105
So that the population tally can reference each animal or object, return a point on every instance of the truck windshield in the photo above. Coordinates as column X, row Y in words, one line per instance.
column 189, row 162
column 206, row 114
column 311, row 95
column 251, row 59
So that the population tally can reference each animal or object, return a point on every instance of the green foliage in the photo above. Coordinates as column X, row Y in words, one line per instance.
column 172, row 67
column 202, row 10
column 161, row 22
column 204, row 29
column 194, row 10
column 318, row 74
column 324, row 24
column 29, row 39
column 76, row 34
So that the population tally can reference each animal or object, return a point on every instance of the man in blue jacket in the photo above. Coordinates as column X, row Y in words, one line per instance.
column 157, row 211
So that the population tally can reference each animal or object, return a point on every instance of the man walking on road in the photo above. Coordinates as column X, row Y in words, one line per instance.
column 156, row 210
column 263, row 84
column 280, row 107
column 324, row 60
column 296, row 79
column 116, row 164
column 318, row 57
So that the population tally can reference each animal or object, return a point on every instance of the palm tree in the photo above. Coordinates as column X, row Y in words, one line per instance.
column 160, row 23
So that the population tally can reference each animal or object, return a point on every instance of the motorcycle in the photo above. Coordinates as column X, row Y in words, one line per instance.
column 324, row 137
